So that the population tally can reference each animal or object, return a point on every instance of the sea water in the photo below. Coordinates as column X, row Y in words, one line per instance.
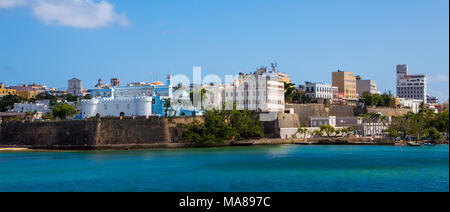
column 236, row 169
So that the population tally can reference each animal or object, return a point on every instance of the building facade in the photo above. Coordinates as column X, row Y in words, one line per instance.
column 26, row 92
column 411, row 86
column 319, row 121
column 6, row 91
column 365, row 86
column 126, row 106
column 413, row 104
column 261, row 91
column 432, row 100
column 346, row 83
column 284, row 78
column 115, row 82
column 128, row 101
column 41, row 106
column 75, row 87
column 318, row 90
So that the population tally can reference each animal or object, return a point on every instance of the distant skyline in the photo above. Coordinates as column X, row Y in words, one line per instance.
column 51, row 41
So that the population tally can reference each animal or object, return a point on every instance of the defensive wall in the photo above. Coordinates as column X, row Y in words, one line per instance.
column 306, row 111
column 126, row 131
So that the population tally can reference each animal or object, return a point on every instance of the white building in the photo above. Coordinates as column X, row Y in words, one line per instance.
column 371, row 129
column 75, row 88
column 261, row 91
column 318, row 90
column 365, row 86
column 319, row 121
column 41, row 106
column 128, row 101
column 432, row 100
column 411, row 86
column 414, row 104
column 127, row 106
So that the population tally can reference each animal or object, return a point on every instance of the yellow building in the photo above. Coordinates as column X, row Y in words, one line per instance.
column 346, row 83
column 282, row 77
column 6, row 91
column 27, row 94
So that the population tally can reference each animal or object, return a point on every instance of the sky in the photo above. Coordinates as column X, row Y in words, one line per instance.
column 51, row 41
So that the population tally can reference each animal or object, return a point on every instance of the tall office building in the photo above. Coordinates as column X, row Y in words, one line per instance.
column 346, row 83
column 411, row 86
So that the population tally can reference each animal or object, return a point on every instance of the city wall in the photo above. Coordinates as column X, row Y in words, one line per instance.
column 389, row 111
column 306, row 111
column 126, row 132
column 105, row 131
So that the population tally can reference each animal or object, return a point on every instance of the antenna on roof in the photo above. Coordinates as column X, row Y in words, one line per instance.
column 274, row 66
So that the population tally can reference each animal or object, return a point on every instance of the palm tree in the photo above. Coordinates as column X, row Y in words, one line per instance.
column 303, row 131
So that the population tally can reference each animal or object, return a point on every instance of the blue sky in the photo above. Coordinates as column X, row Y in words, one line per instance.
column 49, row 41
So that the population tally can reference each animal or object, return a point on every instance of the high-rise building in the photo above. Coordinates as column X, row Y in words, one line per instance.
column 365, row 86
column 411, row 86
column 346, row 83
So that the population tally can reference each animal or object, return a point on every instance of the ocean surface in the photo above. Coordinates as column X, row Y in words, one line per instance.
column 256, row 168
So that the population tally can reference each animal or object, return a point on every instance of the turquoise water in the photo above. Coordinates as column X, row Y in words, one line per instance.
column 256, row 168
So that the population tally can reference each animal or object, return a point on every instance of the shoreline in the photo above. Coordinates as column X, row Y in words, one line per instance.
column 258, row 142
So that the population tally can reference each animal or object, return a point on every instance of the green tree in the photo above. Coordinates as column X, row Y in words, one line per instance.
column 289, row 92
column 64, row 110
column 220, row 126
column 433, row 133
column 384, row 100
column 303, row 131
column 246, row 124
column 215, row 129
column 393, row 133
column 87, row 96
column 167, row 106
column 7, row 102
column 327, row 129
column 71, row 98
column 48, row 116
column 318, row 133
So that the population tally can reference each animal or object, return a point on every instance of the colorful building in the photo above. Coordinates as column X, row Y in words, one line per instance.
column 6, row 91
column 284, row 78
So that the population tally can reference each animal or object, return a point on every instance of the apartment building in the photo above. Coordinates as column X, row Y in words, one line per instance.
column 411, row 86
column 318, row 90
column 346, row 83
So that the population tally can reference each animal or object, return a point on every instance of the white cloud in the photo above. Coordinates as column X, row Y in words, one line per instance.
column 72, row 13
column 438, row 78
column 12, row 3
